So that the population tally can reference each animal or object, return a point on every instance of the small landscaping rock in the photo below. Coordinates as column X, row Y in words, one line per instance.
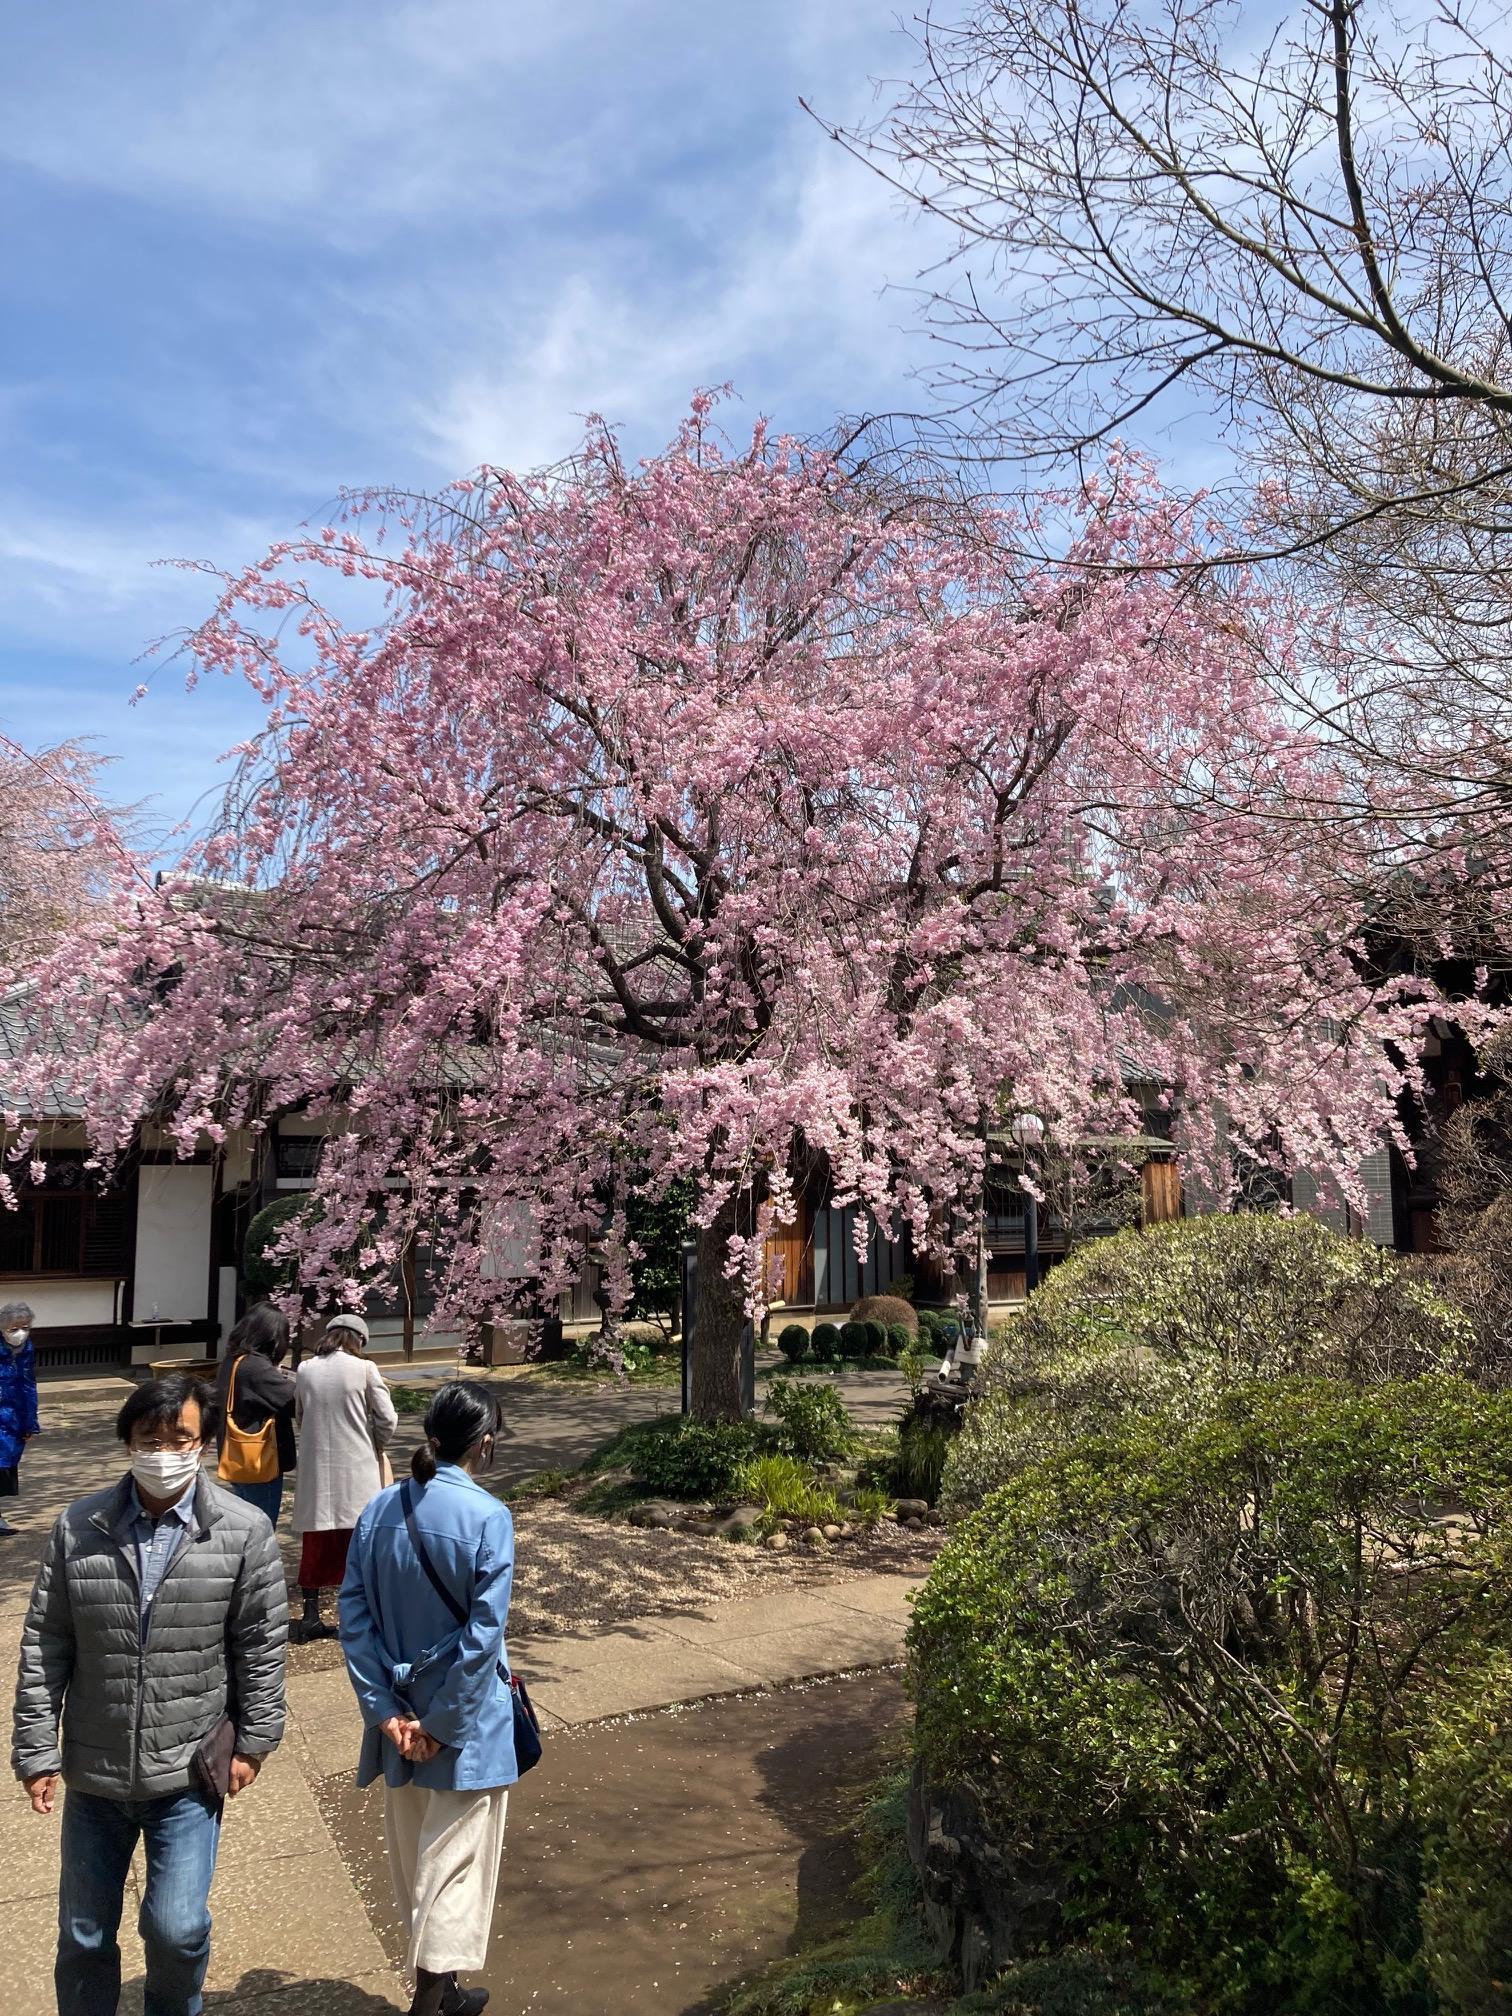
column 913, row 1508
column 832, row 1532
column 812, row 1536
column 911, row 1525
column 934, row 1517
column 777, row 1543
column 655, row 1512
column 744, row 1519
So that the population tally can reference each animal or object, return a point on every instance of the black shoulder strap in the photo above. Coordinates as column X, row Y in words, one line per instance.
column 422, row 1554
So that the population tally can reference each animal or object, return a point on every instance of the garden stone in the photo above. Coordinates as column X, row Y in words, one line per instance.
column 655, row 1512
column 744, row 1519
column 812, row 1536
column 913, row 1508
column 832, row 1532
column 777, row 1543
column 706, row 1528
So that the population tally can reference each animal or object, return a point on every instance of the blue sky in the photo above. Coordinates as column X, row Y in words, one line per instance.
column 255, row 253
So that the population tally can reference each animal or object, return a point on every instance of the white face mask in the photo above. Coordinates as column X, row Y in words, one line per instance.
column 163, row 1473
column 16, row 1338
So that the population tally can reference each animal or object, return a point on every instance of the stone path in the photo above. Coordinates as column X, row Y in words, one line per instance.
column 292, row 1933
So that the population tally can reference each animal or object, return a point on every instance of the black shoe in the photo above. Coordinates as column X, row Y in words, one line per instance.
column 460, row 2001
column 429, row 1990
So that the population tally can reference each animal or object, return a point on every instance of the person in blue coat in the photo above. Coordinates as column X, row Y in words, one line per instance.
column 18, row 1398
column 436, row 1707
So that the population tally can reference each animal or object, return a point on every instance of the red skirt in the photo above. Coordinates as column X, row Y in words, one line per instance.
column 323, row 1558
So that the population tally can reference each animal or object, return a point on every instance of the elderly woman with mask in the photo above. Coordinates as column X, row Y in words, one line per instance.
column 18, row 1398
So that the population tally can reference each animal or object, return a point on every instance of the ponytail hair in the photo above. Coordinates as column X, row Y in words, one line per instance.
column 462, row 1413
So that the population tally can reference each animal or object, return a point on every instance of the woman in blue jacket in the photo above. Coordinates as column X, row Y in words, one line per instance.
column 439, row 1721
column 18, row 1398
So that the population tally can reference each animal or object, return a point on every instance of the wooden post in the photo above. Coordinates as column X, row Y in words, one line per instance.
column 407, row 1279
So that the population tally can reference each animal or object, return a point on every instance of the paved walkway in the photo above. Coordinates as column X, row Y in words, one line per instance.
column 292, row 1932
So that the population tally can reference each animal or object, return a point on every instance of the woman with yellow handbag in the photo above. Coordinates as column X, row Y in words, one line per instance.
column 257, row 1410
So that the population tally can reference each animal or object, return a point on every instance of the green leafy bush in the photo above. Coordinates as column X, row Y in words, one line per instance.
column 855, row 1339
column 1465, row 1793
column 900, row 1340
column 793, row 1342
column 887, row 1310
column 1172, row 1318
column 811, row 1420
column 696, row 1459
column 1226, row 1678
column 825, row 1342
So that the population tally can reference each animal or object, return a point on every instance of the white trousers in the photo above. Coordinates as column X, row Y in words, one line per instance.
column 444, row 1851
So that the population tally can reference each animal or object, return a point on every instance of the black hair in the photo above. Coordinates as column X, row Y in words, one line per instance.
column 462, row 1412
column 263, row 1329
column 158, row 1403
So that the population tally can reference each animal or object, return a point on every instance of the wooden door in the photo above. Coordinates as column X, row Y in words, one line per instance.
column 1160, row 1186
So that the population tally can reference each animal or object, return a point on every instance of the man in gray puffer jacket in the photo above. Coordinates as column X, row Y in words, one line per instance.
column 156, row 1631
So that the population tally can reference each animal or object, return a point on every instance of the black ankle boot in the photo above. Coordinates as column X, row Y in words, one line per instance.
column 460, row 2001
column 430, row 1991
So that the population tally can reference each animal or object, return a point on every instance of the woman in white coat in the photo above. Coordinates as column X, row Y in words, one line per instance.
column 346, row 1419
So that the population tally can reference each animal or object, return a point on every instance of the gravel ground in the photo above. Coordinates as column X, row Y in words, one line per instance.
column 576, row 1573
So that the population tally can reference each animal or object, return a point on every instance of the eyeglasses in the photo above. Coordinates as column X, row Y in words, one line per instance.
column 158, row 1446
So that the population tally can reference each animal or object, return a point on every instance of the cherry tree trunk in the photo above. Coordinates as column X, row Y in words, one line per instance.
column 718, row 1321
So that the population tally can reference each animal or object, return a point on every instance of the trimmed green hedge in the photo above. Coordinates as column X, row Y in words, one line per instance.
column 1170, row 1319
column 1233, row 1692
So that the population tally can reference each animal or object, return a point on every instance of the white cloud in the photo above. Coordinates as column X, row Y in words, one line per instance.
column 792, row 307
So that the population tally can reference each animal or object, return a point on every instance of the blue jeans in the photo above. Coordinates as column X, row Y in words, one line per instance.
column 181, row 1833
column 266, row 1497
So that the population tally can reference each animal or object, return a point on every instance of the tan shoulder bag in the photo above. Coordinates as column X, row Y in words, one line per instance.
column 247, row 1458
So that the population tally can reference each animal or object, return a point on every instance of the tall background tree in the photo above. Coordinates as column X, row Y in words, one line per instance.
column 1290, row 231
column 697, row 819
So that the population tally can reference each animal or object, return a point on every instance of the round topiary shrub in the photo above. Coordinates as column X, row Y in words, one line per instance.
column 887, row 1310
column 855, row 1339
column 265, row 1272
column 793, row 1342
column 825, row 1342
column 1237, row 1681
column 1175, row 1316
column 899, row 1339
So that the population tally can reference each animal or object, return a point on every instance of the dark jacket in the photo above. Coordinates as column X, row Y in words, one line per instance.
column 133, row 1712
column 262, row 1389
column 18, row 1399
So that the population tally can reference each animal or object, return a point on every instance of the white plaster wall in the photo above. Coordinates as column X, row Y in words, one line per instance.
column 58, row 1303
column 173, row 1242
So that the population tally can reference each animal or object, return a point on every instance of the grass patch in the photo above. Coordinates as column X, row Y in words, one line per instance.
column 539, row 1484
column 412, row 1399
